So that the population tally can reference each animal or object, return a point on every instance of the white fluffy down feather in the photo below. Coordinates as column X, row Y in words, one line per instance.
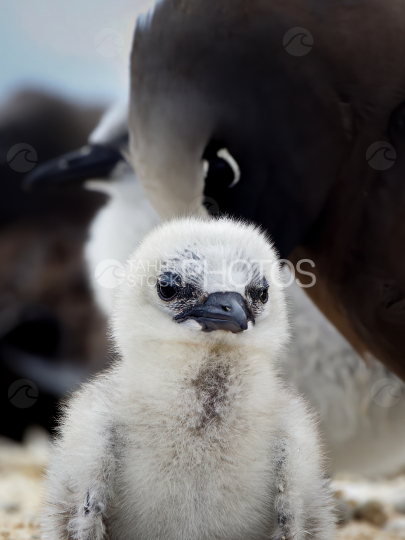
column 191, row 434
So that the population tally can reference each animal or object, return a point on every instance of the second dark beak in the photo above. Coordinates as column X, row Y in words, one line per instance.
column 221, row 311
column 93, row 161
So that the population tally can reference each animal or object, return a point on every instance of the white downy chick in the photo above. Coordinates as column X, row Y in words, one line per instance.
column 191, row 434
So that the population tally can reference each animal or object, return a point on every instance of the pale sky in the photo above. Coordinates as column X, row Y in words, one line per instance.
column 76, row 47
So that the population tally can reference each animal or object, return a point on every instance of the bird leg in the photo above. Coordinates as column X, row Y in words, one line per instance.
column 289, row 514
column 300, row 513
column 78, row 510
column 287, row 504
column 88, row 522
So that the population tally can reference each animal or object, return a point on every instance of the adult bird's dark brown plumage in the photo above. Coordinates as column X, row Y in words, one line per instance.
column 301, row 128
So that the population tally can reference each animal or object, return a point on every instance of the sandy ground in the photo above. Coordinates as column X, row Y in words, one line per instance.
column 371, row 510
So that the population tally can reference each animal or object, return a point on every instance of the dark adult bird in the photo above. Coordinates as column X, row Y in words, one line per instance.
column 289, row 114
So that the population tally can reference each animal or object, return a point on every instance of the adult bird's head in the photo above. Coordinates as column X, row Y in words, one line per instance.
column 223, row 116
column 199, row 282
column 269, row 110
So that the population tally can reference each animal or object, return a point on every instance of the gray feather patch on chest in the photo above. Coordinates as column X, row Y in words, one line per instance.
column 212, row 389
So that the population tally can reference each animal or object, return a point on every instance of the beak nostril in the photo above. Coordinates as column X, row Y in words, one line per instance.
column 226, row 308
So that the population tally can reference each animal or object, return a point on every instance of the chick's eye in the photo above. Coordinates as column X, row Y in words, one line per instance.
column 220, row 168
column 168, row 287
column 264, row 295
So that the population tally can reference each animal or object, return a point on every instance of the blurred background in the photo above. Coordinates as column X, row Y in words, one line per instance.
column 65, row 47
column 62, row 64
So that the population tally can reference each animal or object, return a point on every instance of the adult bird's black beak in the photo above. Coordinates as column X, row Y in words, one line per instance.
column 92, row 161
column 221, row 311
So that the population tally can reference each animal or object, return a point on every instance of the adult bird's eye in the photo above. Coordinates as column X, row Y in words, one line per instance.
column 220, row 168
column 168, row 287
column 264, row 295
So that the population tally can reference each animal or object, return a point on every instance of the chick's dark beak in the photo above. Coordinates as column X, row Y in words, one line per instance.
column 221, row 311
